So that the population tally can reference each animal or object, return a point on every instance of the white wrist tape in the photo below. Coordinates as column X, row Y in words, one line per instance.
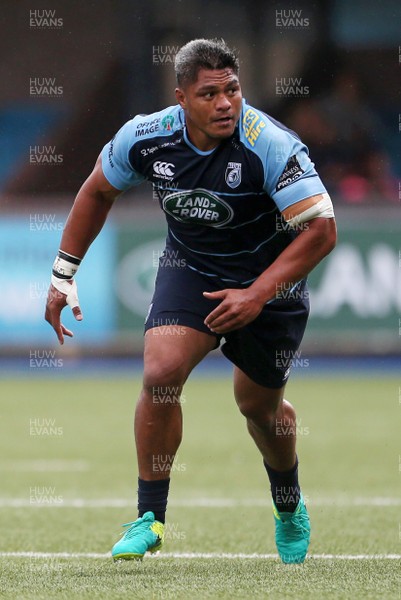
column 65, row 265
column 323, row 208
column 67, row 287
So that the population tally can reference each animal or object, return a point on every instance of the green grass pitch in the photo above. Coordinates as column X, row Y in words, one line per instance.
column 68, row 481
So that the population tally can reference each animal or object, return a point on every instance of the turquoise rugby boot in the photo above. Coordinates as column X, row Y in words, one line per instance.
column 144, row 535
column 292, row 533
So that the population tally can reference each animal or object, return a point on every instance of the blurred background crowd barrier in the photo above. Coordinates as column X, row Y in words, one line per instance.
column 73, row 72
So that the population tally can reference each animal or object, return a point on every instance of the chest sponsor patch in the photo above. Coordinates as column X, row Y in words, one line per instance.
column 198, row 207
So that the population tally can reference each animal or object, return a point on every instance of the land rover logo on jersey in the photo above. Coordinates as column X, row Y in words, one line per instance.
column 233, row 174
column 198, row 206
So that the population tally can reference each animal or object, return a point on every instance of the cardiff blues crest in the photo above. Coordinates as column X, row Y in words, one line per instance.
column 233, row 174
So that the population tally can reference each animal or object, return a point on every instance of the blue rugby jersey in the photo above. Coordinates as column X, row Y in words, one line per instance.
column 223, row 207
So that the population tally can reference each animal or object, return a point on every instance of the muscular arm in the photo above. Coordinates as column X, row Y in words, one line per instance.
column 89, row 213
column 240, row 307
column 297, row 260
column 85, row 221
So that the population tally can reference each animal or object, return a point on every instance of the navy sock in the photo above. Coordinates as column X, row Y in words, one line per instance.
column 284, row 487
column 152, row 495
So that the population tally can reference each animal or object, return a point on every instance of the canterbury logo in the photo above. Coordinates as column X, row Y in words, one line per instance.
column 163, row 168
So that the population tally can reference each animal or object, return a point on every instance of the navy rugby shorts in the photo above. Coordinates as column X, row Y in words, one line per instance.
column 264, row 350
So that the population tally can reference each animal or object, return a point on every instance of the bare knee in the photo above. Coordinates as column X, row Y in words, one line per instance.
column 258, row 404
column 164, row 378
column 257, row 411
column 170, row 356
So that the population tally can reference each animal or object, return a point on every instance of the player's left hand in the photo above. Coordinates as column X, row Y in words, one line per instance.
column 56, row 301
column 236, row 309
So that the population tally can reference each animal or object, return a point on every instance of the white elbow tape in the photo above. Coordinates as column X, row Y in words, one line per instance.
column 67, row 287
column 323, row 208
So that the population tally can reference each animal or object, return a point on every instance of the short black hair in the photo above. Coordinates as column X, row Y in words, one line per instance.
column 203, row 54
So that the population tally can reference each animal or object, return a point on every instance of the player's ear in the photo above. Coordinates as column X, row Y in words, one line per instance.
column 180, row 96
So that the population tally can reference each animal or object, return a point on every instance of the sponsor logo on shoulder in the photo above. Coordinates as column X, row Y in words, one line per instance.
column 146, row 127
column 168, row 122
column 198, row 207
column 253, row 125
column 292, row 171
column 163, row 170
column 233, row 174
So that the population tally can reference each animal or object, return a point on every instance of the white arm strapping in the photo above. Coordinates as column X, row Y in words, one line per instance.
column 69, row 289
column 323, row 208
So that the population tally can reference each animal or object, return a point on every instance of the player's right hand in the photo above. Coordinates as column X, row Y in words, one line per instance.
column 56, row 301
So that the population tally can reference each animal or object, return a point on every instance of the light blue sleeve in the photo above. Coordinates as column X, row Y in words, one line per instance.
column 290, row 175
column 115, row 162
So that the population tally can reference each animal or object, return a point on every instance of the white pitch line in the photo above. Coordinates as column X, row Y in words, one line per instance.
column 261, row 556
column 44, row 465
column 194, row 502
column 201, row 555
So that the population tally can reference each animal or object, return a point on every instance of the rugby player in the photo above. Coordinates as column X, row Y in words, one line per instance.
column 248, row 218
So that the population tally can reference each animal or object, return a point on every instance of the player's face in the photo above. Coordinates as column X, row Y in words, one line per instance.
column 212, row 106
